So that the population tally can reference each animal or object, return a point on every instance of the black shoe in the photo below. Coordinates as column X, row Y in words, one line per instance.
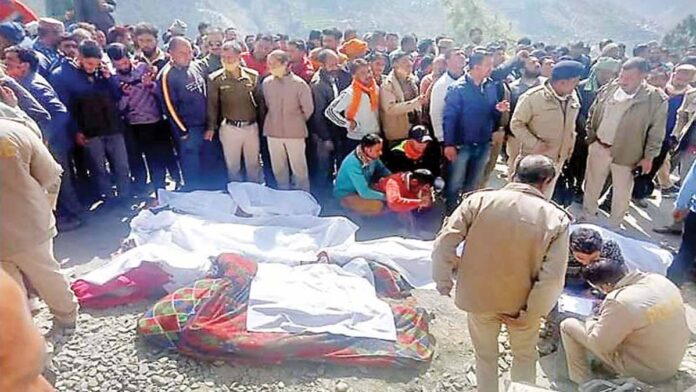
column 606, row 207
column 674, row 229
column 642, row 203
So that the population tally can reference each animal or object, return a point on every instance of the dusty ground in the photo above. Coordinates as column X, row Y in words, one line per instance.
column 104, row 353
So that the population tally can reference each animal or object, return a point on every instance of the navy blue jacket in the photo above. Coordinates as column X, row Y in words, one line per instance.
column 183, row 94
column 91, row 100
column 470, row 115
column 56, row 131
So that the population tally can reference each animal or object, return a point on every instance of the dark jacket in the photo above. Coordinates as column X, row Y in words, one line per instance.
column 56, row 132
column 397, row 161
column 91, row 11
column 27, row 102
column 91, row 100
column 470, row 115
column 183, row 93
column 325, row 89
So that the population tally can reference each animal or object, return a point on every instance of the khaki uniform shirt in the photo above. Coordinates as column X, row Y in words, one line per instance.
column 642, row 327
column 231, row 98
column 29, row 183
column 515, row 251
column 541, row 116
column 395, row 108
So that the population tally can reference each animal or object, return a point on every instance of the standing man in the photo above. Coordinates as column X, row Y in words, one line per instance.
column 91, row 95
column 544, row 120
column 146, row 38
column 327, row 138
column 473, row 106
column 357, row 108
column 22, row 64
column 625, row 130
column 233, row 99
column 256, row 57
column 213, row 42
column 641, row 329
column 513, row 267
column 456, row 60
column 182, row 85
column 28, row 190
column 299, row 63
column 685, row 133
column 289, row 102
column 400, row 101
column 685, row 211
column 46, row 43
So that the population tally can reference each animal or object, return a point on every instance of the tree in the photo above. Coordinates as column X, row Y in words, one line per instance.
column 682, row 36
column 465, row 15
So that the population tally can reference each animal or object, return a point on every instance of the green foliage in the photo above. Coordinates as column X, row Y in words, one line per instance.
column 682, row 36
column 465, row 15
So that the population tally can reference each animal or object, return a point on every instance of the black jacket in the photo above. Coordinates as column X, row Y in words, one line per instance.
column 325, row 88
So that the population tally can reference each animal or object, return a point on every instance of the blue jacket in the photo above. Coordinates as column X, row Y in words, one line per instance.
column 91, row 100
column 355, row 177
column 687, row 194
column 184, row 97
column 56, row 131
column 470, row 115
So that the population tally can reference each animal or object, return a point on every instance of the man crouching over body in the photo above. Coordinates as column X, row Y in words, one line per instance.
column 512, row 269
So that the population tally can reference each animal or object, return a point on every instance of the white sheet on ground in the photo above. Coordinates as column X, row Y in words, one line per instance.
column 641, row 255
column 206, row 204
column 318, row 298
column 258, row 200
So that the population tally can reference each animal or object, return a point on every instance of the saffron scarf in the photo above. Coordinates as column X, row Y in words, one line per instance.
column 358, row 88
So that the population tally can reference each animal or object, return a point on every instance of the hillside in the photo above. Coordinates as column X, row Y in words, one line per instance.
column 549, row 20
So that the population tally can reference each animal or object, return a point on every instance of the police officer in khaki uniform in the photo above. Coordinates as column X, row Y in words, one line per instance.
column 641, row 330
column 233, row 99
column 29, row 183
column 512, row 269
column 544, row 119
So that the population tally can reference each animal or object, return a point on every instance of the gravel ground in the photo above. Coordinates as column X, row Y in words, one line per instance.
column 105, row 354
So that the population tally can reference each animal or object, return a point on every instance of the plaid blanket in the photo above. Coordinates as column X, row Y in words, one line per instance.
column 207, row 320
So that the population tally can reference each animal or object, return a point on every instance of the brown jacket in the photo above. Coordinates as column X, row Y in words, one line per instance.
column 515, row 255
column 642, row 128
column 289, row 105
column 686, row 115
column 29, row 182
column 642, row 327
column 394, row 109
column 541, row 117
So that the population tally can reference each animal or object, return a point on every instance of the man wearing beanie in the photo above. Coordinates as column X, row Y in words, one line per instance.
column 544, row 120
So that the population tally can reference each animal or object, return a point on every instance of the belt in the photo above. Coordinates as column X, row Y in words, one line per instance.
column 239, row 124
column 601, row 143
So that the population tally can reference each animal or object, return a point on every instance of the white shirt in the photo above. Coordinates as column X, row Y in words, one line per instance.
column 367, row 120
column 437, row 104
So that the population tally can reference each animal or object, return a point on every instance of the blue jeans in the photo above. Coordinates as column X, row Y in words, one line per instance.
column 112, row 148
column 466, row 172
column 189, row 148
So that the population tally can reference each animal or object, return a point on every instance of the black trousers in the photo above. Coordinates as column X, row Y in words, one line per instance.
column 574, row 170
column 645, row 183
column 684, row 260
column 154, row 141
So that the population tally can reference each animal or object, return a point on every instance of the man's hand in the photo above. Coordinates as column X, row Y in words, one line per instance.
column 8, row 96
column 503, row 106
column 81, row 139
column 423, row 99
column 444, row 288
column 105, row 71
column 646, row 165
column 126, row 88
column 208, row 135
column 498, row 137
column 352, row 125
column 680, row 215
column 518, row 321
column 451, row 153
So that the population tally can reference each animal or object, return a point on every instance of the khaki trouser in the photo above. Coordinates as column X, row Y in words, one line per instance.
column 513, row 150
column 293, row 151
column 663, row 175
column 496, row 149
column 686, row 160
column 362, row 206
column 238, row 141
column 484, row 329
column 576, row 345
column 42, row 270
column 599, row 166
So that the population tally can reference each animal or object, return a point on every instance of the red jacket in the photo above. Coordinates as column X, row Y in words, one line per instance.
column 259, row 66
column 303, row 69
column 400, row 198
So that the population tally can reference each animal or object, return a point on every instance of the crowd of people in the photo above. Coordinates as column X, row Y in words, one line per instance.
column 377, row 124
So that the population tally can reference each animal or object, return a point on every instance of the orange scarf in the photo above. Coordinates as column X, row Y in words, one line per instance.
column 411, row 152
column 358, row 89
